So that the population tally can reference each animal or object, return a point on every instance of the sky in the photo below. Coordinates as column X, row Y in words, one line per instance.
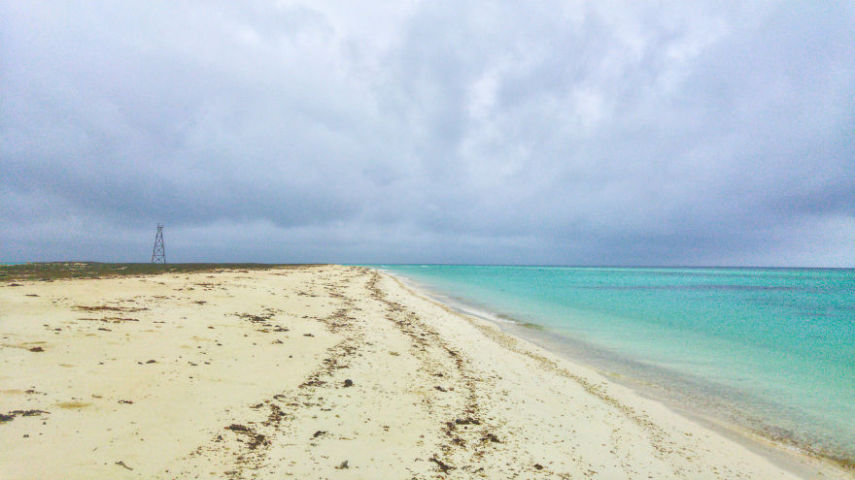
column 695, row 133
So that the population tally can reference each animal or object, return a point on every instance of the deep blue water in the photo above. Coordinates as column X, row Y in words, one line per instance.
column 773, row 349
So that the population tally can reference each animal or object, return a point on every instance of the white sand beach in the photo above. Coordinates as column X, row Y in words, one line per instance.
column 318, row 372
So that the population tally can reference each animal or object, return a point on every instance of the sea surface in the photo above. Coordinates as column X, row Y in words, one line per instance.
column 772, row 350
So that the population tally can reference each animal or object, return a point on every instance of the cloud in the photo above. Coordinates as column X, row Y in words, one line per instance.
column 549, row 132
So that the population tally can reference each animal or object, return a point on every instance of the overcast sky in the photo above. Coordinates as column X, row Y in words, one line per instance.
column 543, row 132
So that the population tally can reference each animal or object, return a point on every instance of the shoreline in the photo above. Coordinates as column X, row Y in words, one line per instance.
column 785, row 452
column 311, row 372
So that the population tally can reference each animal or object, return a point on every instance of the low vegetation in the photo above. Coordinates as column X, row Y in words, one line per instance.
column 50, row 271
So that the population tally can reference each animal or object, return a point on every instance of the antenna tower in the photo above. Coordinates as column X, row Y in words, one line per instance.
column 158, row 253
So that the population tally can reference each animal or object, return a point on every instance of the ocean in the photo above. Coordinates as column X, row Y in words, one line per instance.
column 771, row 350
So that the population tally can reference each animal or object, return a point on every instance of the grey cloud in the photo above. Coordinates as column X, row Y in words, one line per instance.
column 586, row 133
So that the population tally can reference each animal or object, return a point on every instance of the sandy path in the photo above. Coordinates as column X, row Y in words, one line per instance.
column 313, row 372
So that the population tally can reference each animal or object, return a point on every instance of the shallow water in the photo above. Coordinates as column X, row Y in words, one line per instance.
column 773, row 349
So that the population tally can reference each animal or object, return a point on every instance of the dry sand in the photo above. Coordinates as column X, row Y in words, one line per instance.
column 316, row 372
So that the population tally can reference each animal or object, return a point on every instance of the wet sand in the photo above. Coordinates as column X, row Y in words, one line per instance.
column 315, row 372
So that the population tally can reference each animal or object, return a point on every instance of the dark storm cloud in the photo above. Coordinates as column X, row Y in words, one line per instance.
column 547, row 132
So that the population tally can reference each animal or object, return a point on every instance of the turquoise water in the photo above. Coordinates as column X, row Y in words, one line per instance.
column 773, row 349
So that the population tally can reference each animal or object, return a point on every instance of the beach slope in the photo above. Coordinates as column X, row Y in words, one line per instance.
column 313, row 372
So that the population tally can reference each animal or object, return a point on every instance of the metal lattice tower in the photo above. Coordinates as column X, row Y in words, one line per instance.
column 158, row 253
